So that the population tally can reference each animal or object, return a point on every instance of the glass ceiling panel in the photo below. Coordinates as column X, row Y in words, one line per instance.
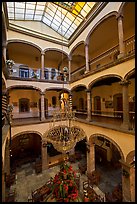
column 63, row 17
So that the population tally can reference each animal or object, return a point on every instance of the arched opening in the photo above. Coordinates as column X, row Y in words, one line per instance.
column 25, row 150
column 108, row 166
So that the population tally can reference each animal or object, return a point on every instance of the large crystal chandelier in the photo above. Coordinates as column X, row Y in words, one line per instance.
column 65, row 135
column 62, row 133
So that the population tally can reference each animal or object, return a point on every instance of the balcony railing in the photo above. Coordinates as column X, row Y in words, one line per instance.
column 130, row 45
column 106, row 58
column 29, row 73
column 113, row 118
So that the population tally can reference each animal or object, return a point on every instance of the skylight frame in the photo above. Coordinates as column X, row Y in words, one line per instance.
column 37, row 11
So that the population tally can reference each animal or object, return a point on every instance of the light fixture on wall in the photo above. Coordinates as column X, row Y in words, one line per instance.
column 62, row 133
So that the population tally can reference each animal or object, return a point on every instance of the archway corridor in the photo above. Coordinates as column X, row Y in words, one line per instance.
column 110, row 173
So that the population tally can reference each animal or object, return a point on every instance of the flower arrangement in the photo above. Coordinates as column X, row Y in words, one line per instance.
column 64, row 187
column 10, row 63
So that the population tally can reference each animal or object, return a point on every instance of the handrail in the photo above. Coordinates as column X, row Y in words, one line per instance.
column 108, row 52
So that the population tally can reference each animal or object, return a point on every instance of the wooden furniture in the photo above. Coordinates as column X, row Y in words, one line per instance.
column 94, row 177
column 41, row 193
column 10, row 197
column 89, row 193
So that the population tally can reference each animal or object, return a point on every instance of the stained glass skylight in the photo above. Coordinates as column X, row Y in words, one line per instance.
column 63, row 17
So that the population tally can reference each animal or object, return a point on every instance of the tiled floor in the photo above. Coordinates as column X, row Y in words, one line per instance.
column 27, row 180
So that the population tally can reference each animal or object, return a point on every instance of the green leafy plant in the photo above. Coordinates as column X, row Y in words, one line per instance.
column 64, row 187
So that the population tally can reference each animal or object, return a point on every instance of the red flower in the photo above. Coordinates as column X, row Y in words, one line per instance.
column 64, row 171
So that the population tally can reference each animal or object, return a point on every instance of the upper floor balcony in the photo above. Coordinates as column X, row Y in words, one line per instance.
column 106, row 59
column 24, row 72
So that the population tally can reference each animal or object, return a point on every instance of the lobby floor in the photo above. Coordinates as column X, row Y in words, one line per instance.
column 27, row 180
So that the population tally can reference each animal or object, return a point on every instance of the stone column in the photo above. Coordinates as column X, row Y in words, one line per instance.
column 121, row 36
column 42, row 107
column 126, row 122
column 7, row 160
column 88, row 105
column 69, row 66
column 87, row 57
column 42, row 65
column 3, row 185
column 44, row 156
column 4, row 47
column 90, row 158
column 127, row 182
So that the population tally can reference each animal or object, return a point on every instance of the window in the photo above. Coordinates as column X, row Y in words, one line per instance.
column 24, row 105
column 24, row 73
column 54, row 101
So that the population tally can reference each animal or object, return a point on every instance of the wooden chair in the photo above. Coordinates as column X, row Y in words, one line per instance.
column 10, row 197
column 94, row 177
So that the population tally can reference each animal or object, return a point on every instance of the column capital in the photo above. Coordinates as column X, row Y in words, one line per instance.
column 88, row 90
column 42, row 93
column 124, row 82
column 44, row 144
column 69, row 58
column 119, row 15
column 42, row 52
column 4, row 45
column 86, row 43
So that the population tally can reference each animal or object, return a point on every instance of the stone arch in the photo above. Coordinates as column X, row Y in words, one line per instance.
column 92, row 138
column 56, row 88
column 73, row 88
column 56, row 49
column 24, row 42
column 79, row 43
column 130, row 157
column 103, row 77
column 27, row 132
column 121, row 8
column 131, row 72
column 113, row 13
column 23, row 86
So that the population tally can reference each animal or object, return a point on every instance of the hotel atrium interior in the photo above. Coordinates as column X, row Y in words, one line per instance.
column 68, row 101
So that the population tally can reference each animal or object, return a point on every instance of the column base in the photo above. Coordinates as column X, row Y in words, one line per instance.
column 87, row 71
column 88, row 119
column 120, row 55
column 125, row 126
column 42, row 119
